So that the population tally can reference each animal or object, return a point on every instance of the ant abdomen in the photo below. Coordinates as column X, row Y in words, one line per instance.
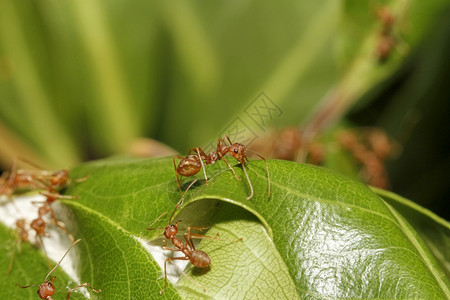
column 189, row 166
column 199, row 258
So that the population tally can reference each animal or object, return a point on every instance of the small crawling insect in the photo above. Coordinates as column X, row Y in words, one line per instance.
column 193, row 163
column 197, row 257
column 47, row 289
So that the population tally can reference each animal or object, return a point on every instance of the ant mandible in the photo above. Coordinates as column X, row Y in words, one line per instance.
column 197, row 257
column 47, row 289
column 192, row 163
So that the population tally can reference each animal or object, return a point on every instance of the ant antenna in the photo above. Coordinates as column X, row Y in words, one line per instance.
column 150, row 227
column 32, row 164
column 74, row 243
column 267, row 169
column 180, row 202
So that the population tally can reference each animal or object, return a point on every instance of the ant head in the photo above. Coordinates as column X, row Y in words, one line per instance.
column 237, row 151
column 39, row 226
column 20, row 223
column 46, row 289
column 171, row 231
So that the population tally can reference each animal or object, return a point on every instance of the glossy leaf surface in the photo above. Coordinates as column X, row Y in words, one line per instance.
column 318, row 235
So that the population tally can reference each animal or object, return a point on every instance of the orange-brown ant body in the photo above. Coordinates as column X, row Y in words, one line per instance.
column 197, row 257
column 14, row 179
column 371, row 149
column 39, row 224
column 51, row 181
column 17, row 179
column 193, row 163
column 47, row 289
column 386, row 39
column 45, row 209
column 22, row 236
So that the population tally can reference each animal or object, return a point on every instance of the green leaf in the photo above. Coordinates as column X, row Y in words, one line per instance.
column 335, row 237
column 258, row 269
column 29, row 267
column 319, row 235
column 434, row 230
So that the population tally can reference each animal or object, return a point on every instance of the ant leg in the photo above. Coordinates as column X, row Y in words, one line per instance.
column 170, row 249
column 80, row 286
column 181, row 201
column 175, row 167
column 150, row 227
column 171, row 259
column 188, row 230
column 62, row 226
column 267, row 169
column 201, row 156
column 188, row 236
column 82, row 179
column 249, row 182
column 58, row 196
column 43, row 248
column 11, row 262
column 201, row 161
column 231, row 168
column 199, row 151
column 228, row 138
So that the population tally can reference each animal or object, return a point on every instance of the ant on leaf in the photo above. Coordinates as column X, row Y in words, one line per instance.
column 193, row 163
column 47, row 289
column 198, row 258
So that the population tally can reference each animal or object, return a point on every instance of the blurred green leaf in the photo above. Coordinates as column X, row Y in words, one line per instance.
column 83, row 79
column 434, row 230
column 335, row 237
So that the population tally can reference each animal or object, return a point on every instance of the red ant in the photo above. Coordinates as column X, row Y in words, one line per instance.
column 198, row 258
column 39, row 224
column 49, row 180
column 192, row 163
column 45, row 209
column 33, row 179
column 386, row 40
column 47, row 289
column 10, row 181
column 22, row 236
